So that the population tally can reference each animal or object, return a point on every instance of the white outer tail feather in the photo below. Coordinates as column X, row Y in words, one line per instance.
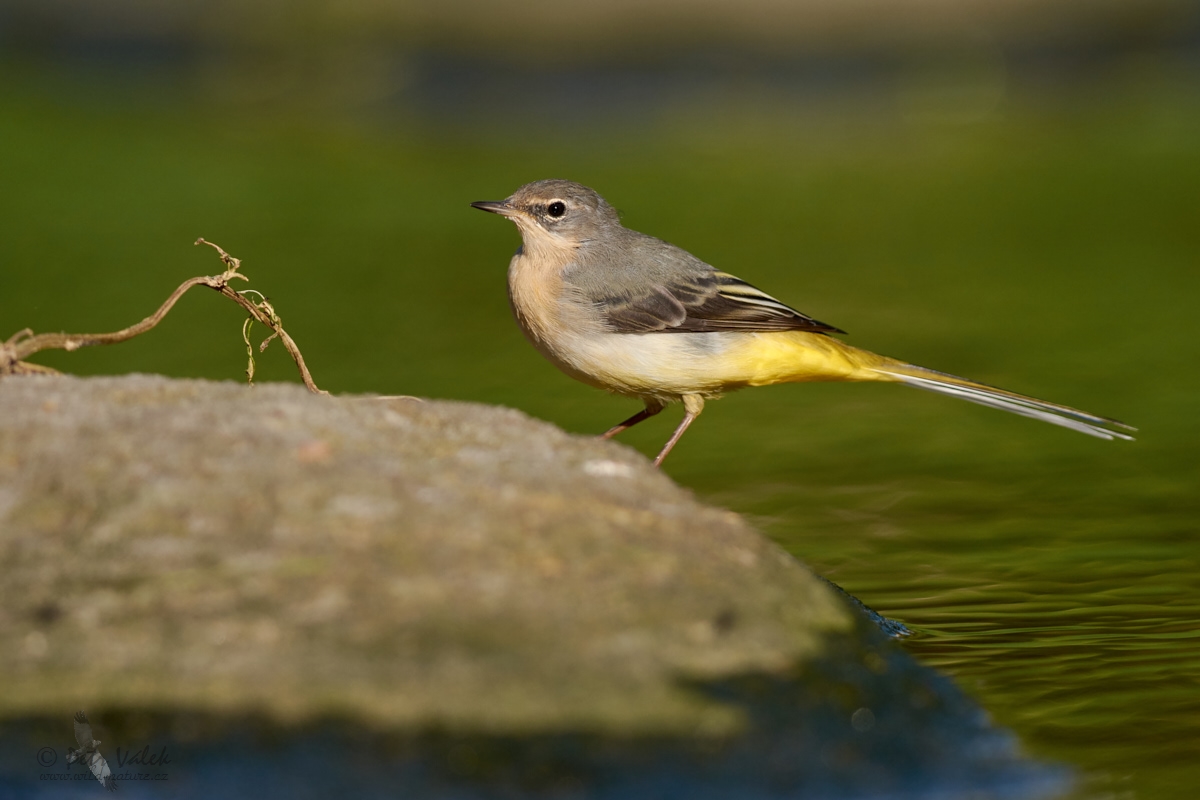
column 1018, row 404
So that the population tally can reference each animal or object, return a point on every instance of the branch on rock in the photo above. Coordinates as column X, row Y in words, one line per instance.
column 24, row 343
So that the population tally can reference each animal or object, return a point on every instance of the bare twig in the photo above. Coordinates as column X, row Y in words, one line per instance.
column 24, row 343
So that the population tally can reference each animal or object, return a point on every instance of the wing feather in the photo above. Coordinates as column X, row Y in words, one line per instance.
column 101, row 771
column 707, row 300
column 83, row 730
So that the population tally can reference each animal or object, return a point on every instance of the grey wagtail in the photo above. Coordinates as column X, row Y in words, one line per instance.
column 637, row 316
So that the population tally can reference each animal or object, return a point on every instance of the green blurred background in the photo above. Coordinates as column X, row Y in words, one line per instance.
column 1004, row 190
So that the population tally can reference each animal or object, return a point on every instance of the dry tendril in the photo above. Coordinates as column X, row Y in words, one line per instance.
column 25, row 343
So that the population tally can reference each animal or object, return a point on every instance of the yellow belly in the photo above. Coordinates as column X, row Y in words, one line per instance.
column 670, row 365
column 798, row 356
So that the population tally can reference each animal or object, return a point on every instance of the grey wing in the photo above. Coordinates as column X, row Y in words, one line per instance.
column 99, row 768
column 83, row 730
column 702, row 300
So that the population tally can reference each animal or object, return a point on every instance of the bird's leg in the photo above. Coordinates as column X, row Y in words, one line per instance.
column 652, row 408
column 693, row 404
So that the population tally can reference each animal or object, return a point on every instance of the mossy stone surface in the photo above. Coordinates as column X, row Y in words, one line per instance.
column 190, row 544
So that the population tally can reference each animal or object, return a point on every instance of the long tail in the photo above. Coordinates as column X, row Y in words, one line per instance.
column 1068, row 417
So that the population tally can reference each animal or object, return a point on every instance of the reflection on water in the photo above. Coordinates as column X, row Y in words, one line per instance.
column 1083, row 637
column 1106, row 670
column 858, row 723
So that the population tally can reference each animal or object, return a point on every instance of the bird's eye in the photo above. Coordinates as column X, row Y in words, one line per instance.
column 557, row 208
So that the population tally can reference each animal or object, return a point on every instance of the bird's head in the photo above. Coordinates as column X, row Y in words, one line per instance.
column 556, row 212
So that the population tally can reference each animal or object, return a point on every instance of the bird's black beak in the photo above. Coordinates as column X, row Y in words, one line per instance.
column 495, row 206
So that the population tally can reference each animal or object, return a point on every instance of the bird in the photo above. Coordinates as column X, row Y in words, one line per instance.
column 640, row 317
column 88, row 754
